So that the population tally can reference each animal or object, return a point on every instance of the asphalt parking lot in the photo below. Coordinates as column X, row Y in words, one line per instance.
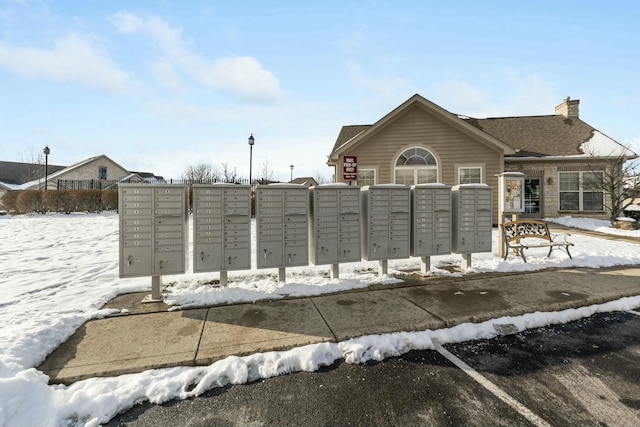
column 584, row 373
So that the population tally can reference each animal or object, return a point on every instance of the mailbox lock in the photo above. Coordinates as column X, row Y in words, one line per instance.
column 265, row 254
column 202, row 255
column 129, row 260
column 160, row 265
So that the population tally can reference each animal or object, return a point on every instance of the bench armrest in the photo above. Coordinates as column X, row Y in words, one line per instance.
column 558, row 235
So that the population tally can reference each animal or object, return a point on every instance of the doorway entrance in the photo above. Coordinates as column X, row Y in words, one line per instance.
column 532, row 198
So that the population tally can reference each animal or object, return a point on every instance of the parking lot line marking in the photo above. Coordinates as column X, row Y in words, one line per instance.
column 637, row 313
column 499, row 393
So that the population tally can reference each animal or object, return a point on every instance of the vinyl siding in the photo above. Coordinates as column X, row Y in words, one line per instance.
column 416, row 127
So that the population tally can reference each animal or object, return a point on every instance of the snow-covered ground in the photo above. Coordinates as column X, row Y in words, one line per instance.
column 57, row 271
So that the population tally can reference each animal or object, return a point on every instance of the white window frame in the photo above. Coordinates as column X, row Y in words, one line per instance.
column 460, row 169
column 415, row 168
column 580, row 191
column 360, row 181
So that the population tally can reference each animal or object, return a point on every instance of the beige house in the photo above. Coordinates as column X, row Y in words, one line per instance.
column 89, row 173
column 420, row 142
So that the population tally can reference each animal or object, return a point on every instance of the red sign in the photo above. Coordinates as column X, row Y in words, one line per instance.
column 349, row 168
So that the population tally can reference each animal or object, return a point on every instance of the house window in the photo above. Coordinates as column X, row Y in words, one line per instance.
column 581, row 191
column 102, row 173
column 366, row 177
column 470, row 175
column 416, row 166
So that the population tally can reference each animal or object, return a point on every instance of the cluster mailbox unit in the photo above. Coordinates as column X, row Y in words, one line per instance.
column 153, row 231
column 334, row 226
column 472, row 224
column 282, row 227
column 431, row 221
column 326, row 224
column 385, row 224
column 221, row 228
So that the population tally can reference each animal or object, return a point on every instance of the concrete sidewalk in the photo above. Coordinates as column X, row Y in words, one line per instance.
column 152, row 337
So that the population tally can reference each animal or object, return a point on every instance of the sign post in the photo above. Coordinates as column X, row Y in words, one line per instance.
column 349, row 168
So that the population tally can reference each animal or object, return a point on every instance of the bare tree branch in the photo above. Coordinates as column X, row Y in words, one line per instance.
column 201, row 173
column 265, row 171
column 616, row 175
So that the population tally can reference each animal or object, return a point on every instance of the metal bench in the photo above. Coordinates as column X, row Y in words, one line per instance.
column 515, row 231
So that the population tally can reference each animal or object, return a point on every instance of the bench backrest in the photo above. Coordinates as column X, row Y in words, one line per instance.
column 520, row 229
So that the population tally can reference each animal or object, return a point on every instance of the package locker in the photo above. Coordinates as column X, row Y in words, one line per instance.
column 334, row 226
column 153, row 229
column 221, row 227
column 472, row 222
column 385, row 222
column 282, row 222
column 430, row 222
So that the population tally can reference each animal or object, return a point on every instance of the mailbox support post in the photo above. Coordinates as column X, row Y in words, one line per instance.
column 425, row 265
column 282, row 275
column 223, row 278
column 156, row 290
column 466, row 261
column 383, row 268
column 335, row 271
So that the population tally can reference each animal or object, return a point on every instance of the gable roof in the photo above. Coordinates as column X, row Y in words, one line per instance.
column 11, row 179
column 15, row 173
column 305, row 180
column 352, row 135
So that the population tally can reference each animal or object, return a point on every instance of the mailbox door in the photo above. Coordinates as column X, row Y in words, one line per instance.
column 136, row 261
column 207, row 257
column 269, row 253
column 399, row 235
column 237, row 256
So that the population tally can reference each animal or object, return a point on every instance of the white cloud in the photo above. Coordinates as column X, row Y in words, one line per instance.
column 71, row 59
column 243, row 76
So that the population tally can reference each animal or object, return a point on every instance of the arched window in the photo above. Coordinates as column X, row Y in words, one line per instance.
column 416, row 166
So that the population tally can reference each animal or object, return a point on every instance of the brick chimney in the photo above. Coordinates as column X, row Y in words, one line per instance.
column 569, row 108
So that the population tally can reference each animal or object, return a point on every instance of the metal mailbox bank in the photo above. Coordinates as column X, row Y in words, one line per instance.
column 472, row 224
column 431, row 222
column 282, row 227
column 385, row 223
column 221, row 228
column 153, row 231
column 334, row 227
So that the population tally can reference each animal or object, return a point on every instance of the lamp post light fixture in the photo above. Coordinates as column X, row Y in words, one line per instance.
column 251, row 142
column 46, row 152
column 291, row 172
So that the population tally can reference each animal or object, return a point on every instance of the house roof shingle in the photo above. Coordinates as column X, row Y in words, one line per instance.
column 16, row 173
column 538, row 136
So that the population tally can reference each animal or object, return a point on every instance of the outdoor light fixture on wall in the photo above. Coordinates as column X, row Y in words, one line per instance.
column 549, row 180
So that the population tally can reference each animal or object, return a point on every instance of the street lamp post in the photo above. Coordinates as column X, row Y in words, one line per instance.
column 251, row 142
column 46, row 152
column 291, row 172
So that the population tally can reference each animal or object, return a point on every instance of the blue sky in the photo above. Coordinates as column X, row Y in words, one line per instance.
column 161, row 85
